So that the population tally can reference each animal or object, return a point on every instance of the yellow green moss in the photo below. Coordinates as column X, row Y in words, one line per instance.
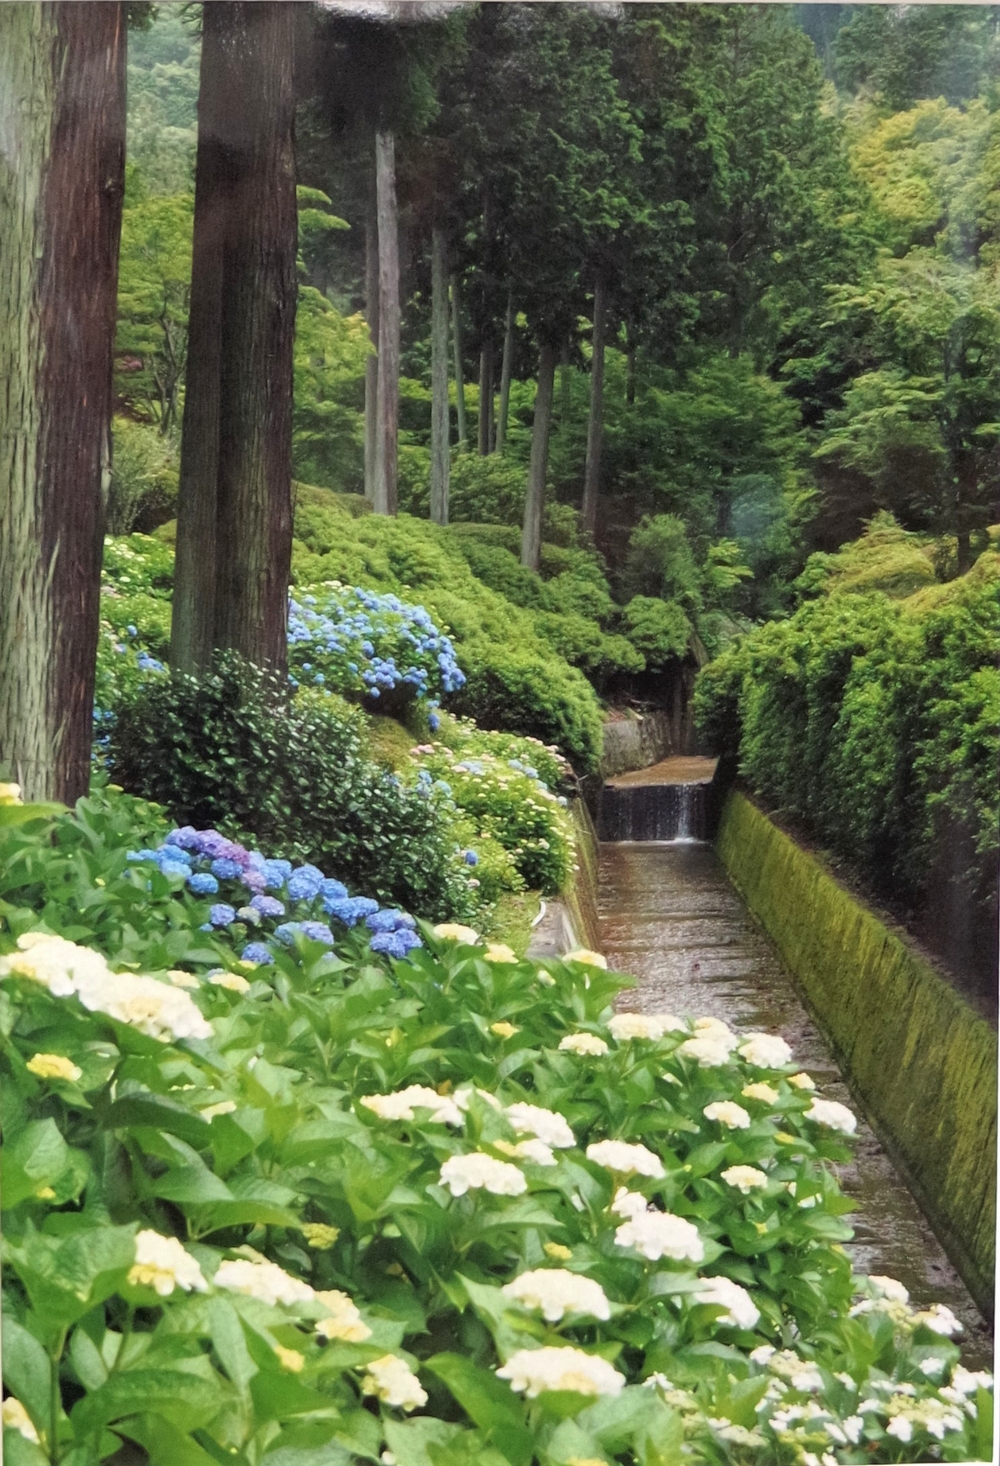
column 922, row 1063
column 581, row 892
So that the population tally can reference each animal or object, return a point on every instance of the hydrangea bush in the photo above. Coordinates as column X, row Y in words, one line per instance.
column 443, row 1208
column 376, row 647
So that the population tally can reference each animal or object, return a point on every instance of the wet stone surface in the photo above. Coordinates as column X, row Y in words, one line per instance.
column 670, row 916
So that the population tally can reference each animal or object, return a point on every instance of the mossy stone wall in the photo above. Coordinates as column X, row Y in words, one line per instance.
column 921, row 1063
column 581, row 893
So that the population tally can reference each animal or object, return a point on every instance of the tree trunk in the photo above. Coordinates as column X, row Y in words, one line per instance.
column 565, row 389
column 62, row 121
column 531, row 537
column 234, row 518
column 440, row 417
column 595, row 422
column 387, row 432
column 505, row 372
column 371, row 363
column 485, row 396
column 456, row 326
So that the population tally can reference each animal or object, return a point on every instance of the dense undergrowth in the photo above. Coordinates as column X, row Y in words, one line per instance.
column 872, row 715
column 322, row 1202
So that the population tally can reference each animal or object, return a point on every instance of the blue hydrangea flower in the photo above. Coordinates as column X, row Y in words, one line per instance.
column 352, row 910
column 202, row 884
column 285, row 933
column 304, row 883
column 257, row 952
column 186, row 836
column 332, row 890
column 471, row 858
column 174, row 868
column 395, row 944
column 433, row 722
column 318, row 931
column 276, row 873
column 385, row 920
column 174, row 855
column 226, row 869
column 268, row 906
column 221, row 914
column 152, row 855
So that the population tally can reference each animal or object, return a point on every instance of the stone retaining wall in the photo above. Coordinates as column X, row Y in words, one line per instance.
column 921, row 1063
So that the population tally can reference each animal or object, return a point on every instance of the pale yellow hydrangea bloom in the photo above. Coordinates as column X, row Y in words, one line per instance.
column 499, row 952
column 625, row 1159
column 13, row 1413
column 762, row 1092
column 546, row 1124
column 586, row 1044
column 264, row 1281
column 744, row 1178
column 587, row 957
column 462, row 1173
column 11, row 794
column 504, row 1030
column 319, row 1235
column 343, row 1320
column 533, row 1371
column 557, row 1251
column 290, row 1359
column 556, row 1292
column 728, row 1113
column 801, row 1081
column 453, row 931
column 161, row 1263
column 392, row 1380
column 232, row 981
column 53, row 1066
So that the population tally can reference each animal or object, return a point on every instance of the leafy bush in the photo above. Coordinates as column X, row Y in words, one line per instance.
column 229, row 750
column 875, row 722
column 340, row 1205
column 659, row 630
column 144, row 466
column 661, row 562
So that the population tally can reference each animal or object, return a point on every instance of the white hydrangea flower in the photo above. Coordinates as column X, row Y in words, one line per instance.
column 162, row 1263
column 10, row 794
column 728, row 1113
column 342, row 1321
column 181, row 979
column 940, row 1320
column 545, row 1124
column 888, row 1288
column 583, row 1043
column 707, row 1052
column 264, row 1281
column 801, row 1374
column 15, row 1417
column 499, row 952
column 629, row 1203
column 626, row 1026
column 715, row 1028
column 463, row 1096
column 527, row 1150
column 53, row 1066
column 402, row 1104
column 801, row 1081
column 533, row 1371
column 556, row 1292
column 744, row 1178
column 462, row 1173
column 155, row 1008
column 852, row 1427
column 762, row 1353
column 625, row 1159
column 453, row 931
column 762, row 1092
column 657, row 1234
column 741, row 1311
column 932, row 1365
column 967, row 1381
column 765, row 1051
column 835, row 1116
column 392, row 1380
column 901, row 1428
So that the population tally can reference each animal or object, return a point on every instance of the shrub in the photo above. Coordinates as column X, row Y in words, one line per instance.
column 229, row 750
column 143, row 491
column 660, row 562
column 659, row 630
column 524, row 692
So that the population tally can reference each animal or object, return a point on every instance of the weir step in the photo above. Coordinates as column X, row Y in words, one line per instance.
column 668, row 801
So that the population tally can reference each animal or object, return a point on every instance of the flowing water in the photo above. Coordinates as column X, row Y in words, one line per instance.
column 670, row 916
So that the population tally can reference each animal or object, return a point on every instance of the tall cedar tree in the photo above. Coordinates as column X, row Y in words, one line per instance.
column 234, row 523
column 62, row 118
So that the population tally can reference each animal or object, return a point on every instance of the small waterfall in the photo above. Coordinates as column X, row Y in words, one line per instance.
column 674, row 813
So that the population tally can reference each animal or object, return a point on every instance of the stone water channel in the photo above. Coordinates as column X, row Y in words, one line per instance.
column 670, row 916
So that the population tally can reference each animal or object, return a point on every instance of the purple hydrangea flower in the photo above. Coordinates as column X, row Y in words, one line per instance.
column 254, row 881
column 226, row 869
column 202, row 884
column 257, row 952
column 185, row 836
column 221, row 914
column 268, row 906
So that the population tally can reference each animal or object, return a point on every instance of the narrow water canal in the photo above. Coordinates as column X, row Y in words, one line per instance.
column 670, row 916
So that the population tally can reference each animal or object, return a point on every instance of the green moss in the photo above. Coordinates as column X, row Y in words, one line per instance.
column 581, row 893
column 922, row 1063
column 512, row 918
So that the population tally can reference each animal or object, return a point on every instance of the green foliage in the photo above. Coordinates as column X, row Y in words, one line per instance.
column 661, row 563
column 885, row 558
column 147, row 1182
column 907, row 54
column 163, row 62
column 229, row 750
column 143, row 492
column 328, row 421
column 154, row 292
column 870, row 719
column 658, row 629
